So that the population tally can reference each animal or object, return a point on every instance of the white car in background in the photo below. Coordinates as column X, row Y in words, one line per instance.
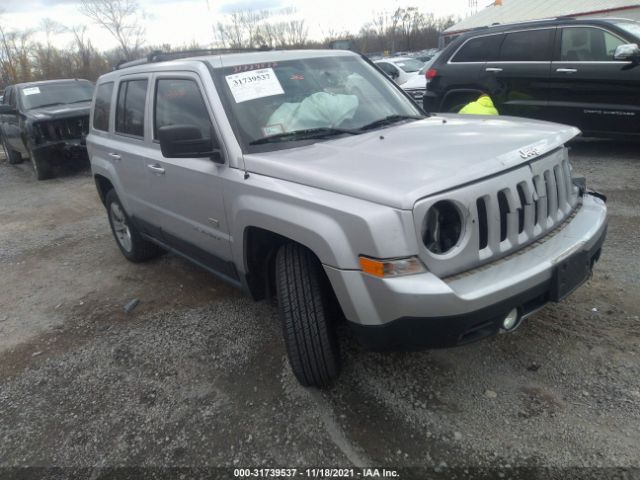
column 400, row 69
column 416, row 82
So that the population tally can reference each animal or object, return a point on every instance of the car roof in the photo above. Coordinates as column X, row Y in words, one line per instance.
column 552, row 22
column 227, row 60
column 49, row 82
column 395, row 59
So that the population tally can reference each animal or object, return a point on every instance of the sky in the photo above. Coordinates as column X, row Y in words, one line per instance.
column 182, row 22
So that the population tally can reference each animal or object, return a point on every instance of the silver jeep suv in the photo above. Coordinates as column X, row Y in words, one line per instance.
column 311, row 177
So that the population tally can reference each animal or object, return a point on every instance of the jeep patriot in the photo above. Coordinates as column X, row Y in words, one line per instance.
column 309, row 176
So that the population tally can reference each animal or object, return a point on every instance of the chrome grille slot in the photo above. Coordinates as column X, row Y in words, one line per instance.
column 507, row 212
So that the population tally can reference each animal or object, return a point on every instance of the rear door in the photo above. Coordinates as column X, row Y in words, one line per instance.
column 185, row 194
column 519, row 80
column 591, row 90
column 129, row 144
column 463, row 77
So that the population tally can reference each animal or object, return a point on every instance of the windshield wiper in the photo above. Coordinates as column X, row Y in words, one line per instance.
column 305, row 134
column 79, row 101
column 388, row 120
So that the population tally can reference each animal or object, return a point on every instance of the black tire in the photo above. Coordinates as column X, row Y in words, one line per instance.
column 13, row 157
column 138, row 249
column 308, row 311
column 41, row 166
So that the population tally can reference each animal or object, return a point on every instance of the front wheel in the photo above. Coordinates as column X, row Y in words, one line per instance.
column 12, row 156
column 308, row 311
column 41, row 166
column 131, row 243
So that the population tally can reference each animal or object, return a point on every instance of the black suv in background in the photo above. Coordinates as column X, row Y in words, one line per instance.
column 584, row 73
column 47, row 122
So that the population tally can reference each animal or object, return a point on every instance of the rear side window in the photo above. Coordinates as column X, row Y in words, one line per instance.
column 130, row 108
column 528, row 46
column 179, row 102
column 480, row 49
column 102, row 107
column 584, row 44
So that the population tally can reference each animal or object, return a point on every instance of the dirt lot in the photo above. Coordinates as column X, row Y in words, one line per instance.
column 197, row 376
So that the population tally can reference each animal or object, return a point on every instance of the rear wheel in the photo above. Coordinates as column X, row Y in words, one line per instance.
column 308, row 311
column 131, row 243
column 12, row 156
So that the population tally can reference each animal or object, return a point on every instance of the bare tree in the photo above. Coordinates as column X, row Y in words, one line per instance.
column 121, row 18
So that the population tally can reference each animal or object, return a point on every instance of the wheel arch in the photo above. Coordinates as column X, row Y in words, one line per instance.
column 103, row 185
column 469, row 94
column 260, row 247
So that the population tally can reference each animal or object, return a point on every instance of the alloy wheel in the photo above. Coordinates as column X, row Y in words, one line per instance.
column 120, row 227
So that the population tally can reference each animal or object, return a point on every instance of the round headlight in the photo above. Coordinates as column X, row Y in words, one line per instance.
column 442, row 227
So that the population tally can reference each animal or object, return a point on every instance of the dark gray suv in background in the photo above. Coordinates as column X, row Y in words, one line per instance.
column 584, row 73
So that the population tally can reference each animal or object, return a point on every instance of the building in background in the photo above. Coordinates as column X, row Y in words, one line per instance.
column 513, row 11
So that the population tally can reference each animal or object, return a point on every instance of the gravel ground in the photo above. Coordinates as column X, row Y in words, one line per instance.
column 197, row 376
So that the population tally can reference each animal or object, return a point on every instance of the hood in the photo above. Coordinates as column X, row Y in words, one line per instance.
column 415, row 82
column 398, row 165
column 59, row 111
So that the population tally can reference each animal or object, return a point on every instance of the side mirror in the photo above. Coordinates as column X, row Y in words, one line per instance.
column 628, row 51
column 395, row 74
column 6, row 109
column 186, row 141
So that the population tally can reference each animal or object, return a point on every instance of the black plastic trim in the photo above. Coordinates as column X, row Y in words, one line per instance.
column 418, row 333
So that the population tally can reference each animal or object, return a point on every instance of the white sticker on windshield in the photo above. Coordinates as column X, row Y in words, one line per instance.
column 254, row 84
column 31, row 90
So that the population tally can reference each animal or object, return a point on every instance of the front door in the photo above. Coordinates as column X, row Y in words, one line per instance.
column 185, row 194
column 590, row 89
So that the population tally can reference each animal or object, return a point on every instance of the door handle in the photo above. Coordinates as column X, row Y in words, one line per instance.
column 493, row 69
column 155, row 168
column 114, row 156
column 566, row 70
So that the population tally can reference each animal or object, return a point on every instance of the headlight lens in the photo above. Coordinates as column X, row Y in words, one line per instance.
column 442, row 227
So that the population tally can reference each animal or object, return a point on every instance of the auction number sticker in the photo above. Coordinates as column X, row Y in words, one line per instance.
column 31, row 91
column 254, row 84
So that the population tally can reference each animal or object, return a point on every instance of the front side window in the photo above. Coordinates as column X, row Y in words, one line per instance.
column 179, row 102
column 388, row 68
column 308, row 100
column 527, row 46
column 586, row 44
column 480, row 49
column 130, row 107
column 102, row 107
column 58, row 93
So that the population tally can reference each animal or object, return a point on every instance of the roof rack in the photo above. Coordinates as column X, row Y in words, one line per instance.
column 160, row 56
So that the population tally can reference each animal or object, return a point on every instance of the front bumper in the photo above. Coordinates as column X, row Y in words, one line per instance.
column 424, row 311
column 61, row 152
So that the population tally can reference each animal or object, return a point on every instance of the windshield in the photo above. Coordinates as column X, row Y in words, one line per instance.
column 632, row 27
column 410, row 65
column 56, row 94
column 317, row 97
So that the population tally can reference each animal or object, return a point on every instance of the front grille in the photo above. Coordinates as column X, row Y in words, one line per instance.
column 519, row 213
column 504, row 213
column 64, row 129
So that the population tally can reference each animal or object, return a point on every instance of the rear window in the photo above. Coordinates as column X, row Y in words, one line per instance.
column 480, row 49
column 102, row 108
column 528, row 46
column 130, row 108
